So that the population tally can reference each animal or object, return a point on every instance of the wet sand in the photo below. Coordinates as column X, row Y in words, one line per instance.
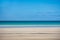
column 48, row 33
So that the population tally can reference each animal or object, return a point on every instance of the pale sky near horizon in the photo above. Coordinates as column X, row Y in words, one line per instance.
column 18, row 10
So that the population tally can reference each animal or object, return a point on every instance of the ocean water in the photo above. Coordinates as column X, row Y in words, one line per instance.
column 29, row 23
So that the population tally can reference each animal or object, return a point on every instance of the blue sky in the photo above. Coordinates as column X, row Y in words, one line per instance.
column 21, row 10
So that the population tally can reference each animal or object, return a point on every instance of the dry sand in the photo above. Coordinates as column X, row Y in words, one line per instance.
column 50, row 33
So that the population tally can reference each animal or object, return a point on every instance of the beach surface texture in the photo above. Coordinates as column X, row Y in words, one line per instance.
column 39, row 33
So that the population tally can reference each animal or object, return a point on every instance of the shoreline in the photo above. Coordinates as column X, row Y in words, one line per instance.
column 29, row 26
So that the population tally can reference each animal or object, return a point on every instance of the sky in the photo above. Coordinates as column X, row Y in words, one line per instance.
column 30, row 10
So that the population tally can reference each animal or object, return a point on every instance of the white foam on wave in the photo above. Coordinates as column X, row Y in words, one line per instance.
column 2, row 26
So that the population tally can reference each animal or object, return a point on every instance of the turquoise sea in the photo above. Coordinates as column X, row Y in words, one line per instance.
column 29, row 23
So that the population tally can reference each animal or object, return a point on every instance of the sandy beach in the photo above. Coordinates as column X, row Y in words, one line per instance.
column 48, row 33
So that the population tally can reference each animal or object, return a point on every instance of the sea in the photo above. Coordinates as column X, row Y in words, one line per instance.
column 19, row 24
